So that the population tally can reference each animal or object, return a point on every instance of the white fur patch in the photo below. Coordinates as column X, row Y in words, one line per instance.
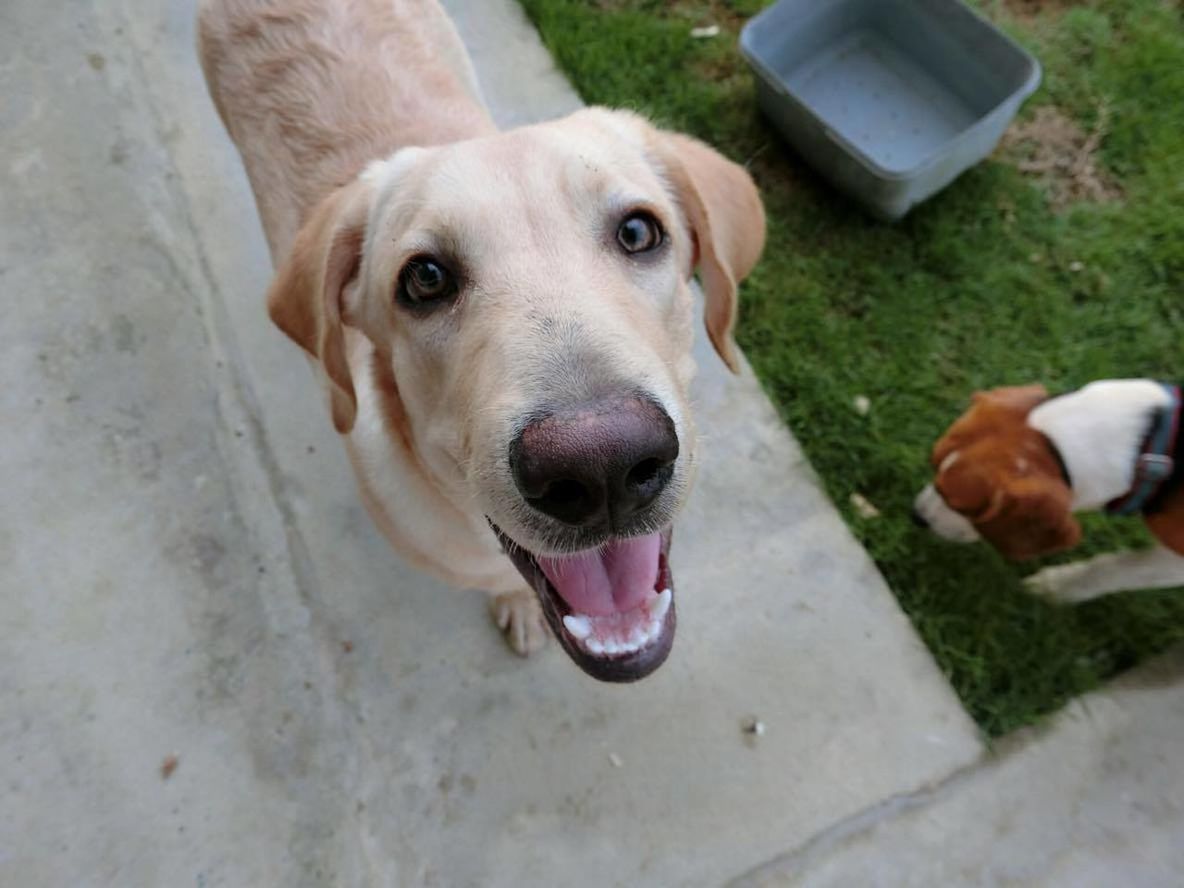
column 943, row 520
column 1158, row 568
column 1098, row 430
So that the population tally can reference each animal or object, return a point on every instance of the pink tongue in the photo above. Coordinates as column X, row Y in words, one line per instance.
column 613, row 579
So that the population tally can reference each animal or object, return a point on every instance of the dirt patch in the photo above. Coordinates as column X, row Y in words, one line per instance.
column 1052, row 148
column 716, row 12
column 696, row 13
column 1028, row 11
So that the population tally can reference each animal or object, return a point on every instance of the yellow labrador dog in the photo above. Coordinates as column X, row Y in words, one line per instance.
column 501, row 320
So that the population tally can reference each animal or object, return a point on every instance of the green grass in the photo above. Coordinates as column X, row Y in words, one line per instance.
column 974, row 289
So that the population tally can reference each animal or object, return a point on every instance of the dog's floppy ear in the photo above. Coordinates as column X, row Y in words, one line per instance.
column 305, row 298
column 1020, row 398
column 1034, row 518
column 725, row 211
column 967, row 491
column 943, row 447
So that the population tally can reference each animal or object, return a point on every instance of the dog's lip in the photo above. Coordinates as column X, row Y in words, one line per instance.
column 624, row 667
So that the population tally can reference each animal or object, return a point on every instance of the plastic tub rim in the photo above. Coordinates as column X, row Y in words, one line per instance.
column 1029, row 86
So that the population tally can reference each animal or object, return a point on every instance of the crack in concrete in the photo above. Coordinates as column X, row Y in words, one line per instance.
column 237, row 406
column 796, row 862
column 224, row 349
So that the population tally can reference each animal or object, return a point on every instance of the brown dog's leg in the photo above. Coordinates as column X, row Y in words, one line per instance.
column 1157, row 568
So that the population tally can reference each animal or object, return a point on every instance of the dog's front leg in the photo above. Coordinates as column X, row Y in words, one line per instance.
column 520, row 617
column 1157, row 568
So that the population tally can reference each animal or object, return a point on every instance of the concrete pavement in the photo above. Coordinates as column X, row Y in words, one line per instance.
column 186, row 570
column 1095, row 799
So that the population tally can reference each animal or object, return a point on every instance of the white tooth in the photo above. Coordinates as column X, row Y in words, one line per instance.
column 661, row 605
column 639, row 636
column 611, row 647
column 578, row 625
column 594, row 646
column 653, row 630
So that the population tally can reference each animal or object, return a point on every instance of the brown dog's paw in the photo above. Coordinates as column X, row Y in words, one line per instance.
column 520, row 618
column 1058, row 584
column 1079, row 581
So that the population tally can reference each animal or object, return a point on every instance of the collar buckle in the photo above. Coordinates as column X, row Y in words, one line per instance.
column 1154, row 468
column 1156, row 464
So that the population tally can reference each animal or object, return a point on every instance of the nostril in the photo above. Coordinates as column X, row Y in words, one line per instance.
column 643, row 473
column 645, row 481
column 571, row 501
column 564, row 493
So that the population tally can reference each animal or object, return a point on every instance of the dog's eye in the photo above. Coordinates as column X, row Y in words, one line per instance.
column 639, row 233
column 424, row 280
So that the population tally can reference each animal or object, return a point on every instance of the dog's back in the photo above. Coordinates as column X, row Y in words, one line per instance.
column 311, row 91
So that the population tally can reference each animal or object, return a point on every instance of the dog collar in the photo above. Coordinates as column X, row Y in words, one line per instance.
column 1060, row 460
column 1157, row 460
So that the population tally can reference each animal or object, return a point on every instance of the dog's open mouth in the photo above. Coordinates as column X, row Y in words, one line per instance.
column 612, row 608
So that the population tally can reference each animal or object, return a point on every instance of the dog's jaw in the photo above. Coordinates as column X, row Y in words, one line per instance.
column 616, row 647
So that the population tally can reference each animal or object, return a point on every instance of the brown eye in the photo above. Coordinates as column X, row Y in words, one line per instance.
column 639, row 233
column 424, row 281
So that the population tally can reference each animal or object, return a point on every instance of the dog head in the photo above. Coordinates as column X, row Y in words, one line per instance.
column 999, row 479
column 530, row 293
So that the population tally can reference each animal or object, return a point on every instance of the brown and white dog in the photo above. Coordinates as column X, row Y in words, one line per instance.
column 502, row 320
column 1017, row 465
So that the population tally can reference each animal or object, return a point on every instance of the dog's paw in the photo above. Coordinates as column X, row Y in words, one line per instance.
column 1064, row 583
column 520, row 618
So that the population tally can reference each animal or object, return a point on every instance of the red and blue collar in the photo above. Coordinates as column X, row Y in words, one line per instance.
column 1160, row 463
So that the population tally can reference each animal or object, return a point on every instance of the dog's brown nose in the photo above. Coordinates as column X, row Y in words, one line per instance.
column 598, row 463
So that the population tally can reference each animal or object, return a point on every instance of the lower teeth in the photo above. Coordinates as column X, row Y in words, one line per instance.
column 606, row 635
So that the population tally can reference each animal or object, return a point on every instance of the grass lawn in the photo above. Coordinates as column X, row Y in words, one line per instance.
column 1021, row 271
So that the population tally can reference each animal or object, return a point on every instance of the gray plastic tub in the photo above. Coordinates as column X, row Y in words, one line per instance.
column 889, row 99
